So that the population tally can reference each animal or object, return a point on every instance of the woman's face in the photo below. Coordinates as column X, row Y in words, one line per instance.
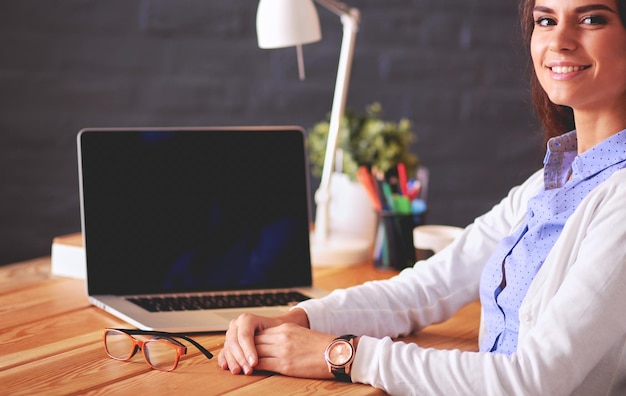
column 579, row 53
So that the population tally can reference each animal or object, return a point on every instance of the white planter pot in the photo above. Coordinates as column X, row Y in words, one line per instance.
column 351, row 211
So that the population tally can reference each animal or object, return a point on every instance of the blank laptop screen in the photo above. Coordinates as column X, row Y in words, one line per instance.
column 194, row 210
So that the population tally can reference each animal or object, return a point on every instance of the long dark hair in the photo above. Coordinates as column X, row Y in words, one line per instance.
column 555, row 119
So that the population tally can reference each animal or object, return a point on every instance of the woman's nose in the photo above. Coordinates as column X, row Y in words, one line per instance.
column 563, row 38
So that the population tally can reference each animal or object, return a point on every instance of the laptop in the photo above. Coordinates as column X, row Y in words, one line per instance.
column 186, row 228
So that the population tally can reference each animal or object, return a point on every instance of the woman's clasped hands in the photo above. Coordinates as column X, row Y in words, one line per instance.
column 283, row 344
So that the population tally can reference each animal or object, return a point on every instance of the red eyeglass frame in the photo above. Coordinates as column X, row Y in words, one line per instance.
column 162, row 337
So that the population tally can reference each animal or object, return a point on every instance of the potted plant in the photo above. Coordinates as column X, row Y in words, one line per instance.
column 364, row 139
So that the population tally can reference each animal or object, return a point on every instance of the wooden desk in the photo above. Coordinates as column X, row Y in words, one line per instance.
column 50, row 340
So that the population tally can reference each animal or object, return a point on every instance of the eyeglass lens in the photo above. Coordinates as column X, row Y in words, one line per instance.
column 158, row 352
column 119, row 345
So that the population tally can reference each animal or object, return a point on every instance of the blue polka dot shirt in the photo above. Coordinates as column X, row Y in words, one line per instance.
column 568, row 178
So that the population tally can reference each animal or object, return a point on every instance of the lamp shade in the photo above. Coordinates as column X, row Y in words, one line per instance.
column 287, row 23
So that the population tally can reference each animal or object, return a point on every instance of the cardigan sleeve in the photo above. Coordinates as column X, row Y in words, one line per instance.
column 573, row 339
column 432, row 290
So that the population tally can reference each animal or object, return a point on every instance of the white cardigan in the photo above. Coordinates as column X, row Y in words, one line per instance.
column 572, row 336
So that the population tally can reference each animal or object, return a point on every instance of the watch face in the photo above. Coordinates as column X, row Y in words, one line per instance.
column 340, row 353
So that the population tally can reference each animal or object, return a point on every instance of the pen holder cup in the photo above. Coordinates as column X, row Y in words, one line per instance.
column 394, row 247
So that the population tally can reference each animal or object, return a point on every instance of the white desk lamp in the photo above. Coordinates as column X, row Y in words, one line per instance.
column 287, row 23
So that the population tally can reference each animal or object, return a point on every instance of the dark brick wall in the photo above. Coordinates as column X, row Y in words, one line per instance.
column 454, row 67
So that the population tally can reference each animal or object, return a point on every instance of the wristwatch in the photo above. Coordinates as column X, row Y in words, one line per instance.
column 339, row 355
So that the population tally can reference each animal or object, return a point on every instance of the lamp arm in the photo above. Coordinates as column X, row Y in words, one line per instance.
column 336, row 7
column 350, row 21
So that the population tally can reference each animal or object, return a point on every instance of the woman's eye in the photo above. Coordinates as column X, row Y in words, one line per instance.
column 594, row 20
column 544, row 21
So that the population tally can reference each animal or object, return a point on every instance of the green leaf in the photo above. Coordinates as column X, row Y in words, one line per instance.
column 366, row 139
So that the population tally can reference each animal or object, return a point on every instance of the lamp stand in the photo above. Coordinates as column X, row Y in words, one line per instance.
column 328, row 247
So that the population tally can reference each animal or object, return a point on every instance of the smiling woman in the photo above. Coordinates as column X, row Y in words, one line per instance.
column 579, row 54
column 548, row 262
column 578, row 48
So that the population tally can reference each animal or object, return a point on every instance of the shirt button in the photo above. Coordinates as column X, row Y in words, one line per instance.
column 526, row 317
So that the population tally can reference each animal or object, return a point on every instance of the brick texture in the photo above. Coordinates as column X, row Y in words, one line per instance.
column 454, row 67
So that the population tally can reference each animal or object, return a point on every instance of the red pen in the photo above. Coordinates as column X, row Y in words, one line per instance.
column 404, row 189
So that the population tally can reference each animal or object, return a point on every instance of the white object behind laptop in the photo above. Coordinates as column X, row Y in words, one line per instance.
column 169, row 211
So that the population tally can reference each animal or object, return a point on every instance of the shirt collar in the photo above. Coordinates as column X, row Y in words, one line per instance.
column 558, row 160
column 607, row 153
column 562, row 158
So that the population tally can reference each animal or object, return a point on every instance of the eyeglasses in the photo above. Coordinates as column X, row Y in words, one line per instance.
column 161, row 352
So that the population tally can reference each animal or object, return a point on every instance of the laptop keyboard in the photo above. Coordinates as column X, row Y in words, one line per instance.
column 218, row 301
